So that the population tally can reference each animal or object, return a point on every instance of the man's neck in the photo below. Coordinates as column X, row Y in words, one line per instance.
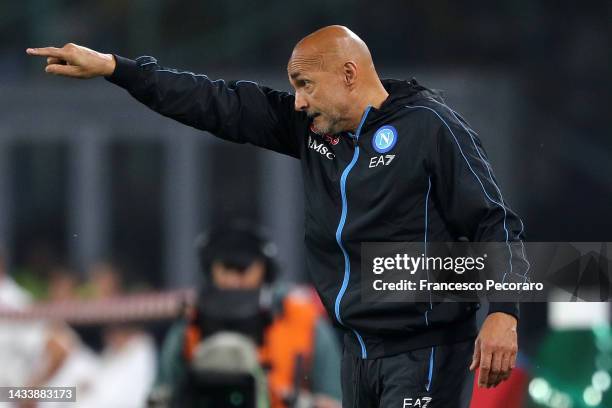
column 374, row 98
column 379, row 95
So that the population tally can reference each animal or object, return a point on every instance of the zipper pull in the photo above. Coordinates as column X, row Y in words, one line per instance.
column 353, row 139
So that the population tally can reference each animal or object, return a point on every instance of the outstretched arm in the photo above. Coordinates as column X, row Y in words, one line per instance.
column 240, row 111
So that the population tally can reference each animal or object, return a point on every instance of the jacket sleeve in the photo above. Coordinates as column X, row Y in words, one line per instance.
column 239, row 111
column 470, row 198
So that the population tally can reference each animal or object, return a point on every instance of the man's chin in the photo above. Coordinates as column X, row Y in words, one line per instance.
column 325, row 128
column 319, row 127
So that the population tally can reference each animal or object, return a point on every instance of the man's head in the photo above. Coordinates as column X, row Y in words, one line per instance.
column 334, row 79
column 228, row 277
column 236, row 256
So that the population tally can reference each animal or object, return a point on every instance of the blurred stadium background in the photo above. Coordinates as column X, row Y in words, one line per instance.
column 88, row 174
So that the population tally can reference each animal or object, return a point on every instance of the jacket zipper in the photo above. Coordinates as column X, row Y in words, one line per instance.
column 347, row 263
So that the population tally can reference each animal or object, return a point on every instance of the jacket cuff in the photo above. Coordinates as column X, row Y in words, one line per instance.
column 126, row 71
column 511, row 308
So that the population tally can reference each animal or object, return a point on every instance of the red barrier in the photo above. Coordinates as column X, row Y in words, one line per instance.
column 138, row 307
column 509, row 394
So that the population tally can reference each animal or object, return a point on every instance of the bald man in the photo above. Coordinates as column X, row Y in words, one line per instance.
column 382, row 161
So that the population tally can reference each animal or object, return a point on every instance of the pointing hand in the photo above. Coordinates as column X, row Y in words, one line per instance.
column 75, row 61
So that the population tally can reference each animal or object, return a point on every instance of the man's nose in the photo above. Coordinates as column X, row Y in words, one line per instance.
column 300, row 102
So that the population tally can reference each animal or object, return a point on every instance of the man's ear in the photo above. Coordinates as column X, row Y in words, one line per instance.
column 349, row 70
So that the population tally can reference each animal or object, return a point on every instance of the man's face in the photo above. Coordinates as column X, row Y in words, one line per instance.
column 227, row 278
column 320, row 92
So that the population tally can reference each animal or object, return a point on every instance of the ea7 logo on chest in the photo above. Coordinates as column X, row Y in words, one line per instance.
column 382, row 160
column 422, row 402
column 320, row 148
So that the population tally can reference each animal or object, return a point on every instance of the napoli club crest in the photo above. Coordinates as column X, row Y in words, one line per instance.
column 384, row 139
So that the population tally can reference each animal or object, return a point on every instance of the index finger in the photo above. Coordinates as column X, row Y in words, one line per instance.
column 46, row 52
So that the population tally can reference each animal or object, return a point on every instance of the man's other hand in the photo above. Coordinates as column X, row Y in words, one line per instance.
column 495, row 349
column 75, row 61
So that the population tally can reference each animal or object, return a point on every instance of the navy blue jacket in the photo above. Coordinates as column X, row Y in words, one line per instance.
column 438, row 186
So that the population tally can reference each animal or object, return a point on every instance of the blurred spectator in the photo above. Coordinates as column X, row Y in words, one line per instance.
column 78, row 362
column 105, row 280
column 127, row 365
column 21, row 342
column 31, row 352
column 63, row 285
column 240, row 294
column 125, row 373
